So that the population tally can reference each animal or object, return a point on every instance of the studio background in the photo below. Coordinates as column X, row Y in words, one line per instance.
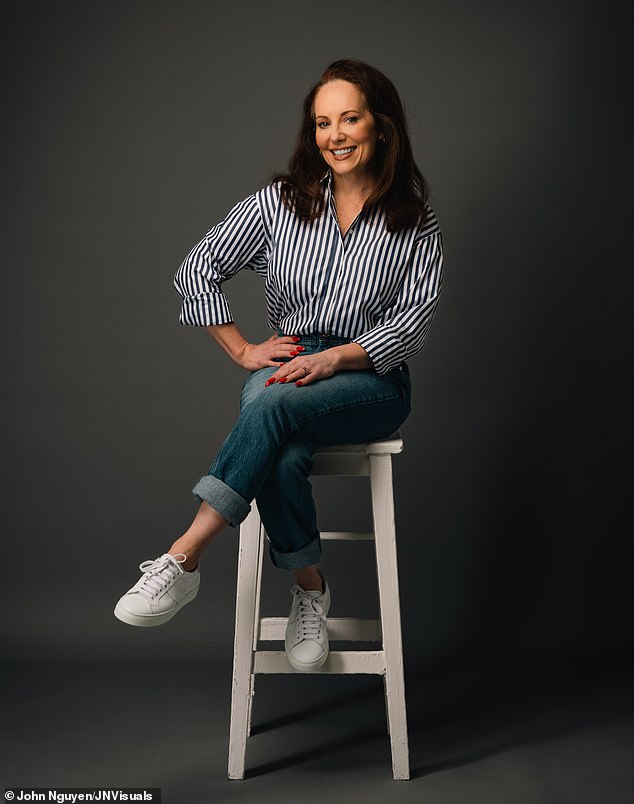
column 132, row 127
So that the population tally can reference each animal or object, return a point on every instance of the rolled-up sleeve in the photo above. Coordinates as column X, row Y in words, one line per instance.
column 238, row 242
column 403, row 327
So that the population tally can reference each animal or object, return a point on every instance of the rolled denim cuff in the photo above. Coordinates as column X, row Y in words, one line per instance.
column 304, row 557
column 223, row 498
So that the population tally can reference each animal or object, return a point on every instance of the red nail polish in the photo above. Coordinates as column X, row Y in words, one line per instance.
column 283, row 379
column 301, row 348
column 299, row 382
column 295, row 339
column 270, row 382
column 293, row 354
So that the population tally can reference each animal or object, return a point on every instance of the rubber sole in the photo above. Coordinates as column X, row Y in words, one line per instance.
column 150, row 620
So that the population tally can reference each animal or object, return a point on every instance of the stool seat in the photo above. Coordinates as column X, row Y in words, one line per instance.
column 374, row 460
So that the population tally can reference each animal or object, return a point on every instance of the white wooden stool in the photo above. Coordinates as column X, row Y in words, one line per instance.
column 374, row 460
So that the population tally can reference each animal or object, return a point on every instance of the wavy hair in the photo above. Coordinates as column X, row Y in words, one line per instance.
column 400, row 188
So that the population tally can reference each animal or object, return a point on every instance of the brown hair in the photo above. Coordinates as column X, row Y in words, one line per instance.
column 400, row 188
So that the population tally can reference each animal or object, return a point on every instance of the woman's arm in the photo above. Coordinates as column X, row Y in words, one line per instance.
column 237, row 242
column 403, row 327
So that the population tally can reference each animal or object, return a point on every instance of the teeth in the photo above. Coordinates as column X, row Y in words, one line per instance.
column 341, row 151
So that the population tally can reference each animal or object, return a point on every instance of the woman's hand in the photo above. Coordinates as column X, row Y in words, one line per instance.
column 254, row 356
column 304, row 369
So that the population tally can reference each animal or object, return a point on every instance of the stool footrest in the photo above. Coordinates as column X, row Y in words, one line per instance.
column 342, row 629
column 338, row 661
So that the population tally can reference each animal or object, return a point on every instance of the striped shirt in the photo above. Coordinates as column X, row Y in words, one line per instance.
column 377, row 288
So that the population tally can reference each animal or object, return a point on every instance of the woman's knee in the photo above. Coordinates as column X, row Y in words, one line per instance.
column 272, row 409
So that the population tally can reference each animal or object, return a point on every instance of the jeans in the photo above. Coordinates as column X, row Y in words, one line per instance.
column 268, row 455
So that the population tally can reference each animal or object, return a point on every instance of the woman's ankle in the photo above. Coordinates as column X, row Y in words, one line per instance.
column 207, row 524
column 190, row 564
column 309, row 578
column 192, row 556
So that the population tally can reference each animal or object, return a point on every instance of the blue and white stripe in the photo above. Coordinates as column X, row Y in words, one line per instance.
column 378, row 288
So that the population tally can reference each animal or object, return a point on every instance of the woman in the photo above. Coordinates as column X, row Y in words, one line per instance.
column 352, row 254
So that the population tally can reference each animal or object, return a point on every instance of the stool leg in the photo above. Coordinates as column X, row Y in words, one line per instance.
column 387, row 572
column 258, row 589
column 387, row 711
column 243, row 642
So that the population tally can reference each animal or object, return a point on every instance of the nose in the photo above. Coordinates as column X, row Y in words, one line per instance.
column 336, row 135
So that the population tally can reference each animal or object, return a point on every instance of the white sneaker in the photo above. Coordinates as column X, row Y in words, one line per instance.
column 162, row 590
column 306, row 640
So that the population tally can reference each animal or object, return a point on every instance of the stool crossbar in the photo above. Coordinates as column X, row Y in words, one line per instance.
column 374, row 460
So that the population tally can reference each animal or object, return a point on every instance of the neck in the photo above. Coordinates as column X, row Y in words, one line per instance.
column 353, row 186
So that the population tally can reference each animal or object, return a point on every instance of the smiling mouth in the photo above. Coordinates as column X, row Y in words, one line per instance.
column 343, row 151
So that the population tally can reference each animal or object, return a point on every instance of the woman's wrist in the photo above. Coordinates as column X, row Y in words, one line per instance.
column 350, row 357
column 230, row 339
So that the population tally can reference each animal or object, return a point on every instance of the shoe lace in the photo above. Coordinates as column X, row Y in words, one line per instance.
column 309, row 615
column 159, row 574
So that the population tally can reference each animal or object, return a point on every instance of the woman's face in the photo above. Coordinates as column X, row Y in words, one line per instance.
column 345, row 132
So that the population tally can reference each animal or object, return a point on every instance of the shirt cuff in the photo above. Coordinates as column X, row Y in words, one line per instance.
column 205, row 309
column 386, row 350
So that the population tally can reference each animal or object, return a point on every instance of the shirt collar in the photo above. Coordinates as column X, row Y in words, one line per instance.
column 326, row 184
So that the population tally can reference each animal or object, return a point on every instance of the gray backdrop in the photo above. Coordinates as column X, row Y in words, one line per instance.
column 130, row 128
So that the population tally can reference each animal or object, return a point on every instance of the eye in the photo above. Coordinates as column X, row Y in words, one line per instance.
column 352, row 119
column 322, row 124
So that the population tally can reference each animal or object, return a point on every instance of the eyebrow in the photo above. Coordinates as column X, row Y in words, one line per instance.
column 341, row 115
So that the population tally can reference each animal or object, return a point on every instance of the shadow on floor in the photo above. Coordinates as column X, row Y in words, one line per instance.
column 169, row 724
column 461, row 715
